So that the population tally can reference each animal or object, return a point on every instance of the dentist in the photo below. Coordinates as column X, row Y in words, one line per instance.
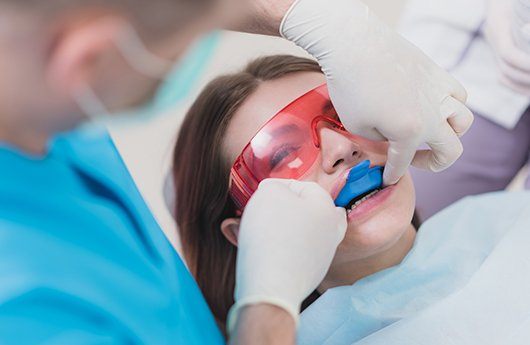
column 82, row 260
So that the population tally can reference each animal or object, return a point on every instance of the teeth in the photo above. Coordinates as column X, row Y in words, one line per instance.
column 360, row 201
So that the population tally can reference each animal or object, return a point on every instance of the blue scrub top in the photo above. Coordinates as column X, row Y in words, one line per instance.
column 82, row 260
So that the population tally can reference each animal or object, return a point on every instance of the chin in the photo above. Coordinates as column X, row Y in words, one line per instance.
column 67, row 124
column 373, row 238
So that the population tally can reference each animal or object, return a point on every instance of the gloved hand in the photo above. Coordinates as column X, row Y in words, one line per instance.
column 382, row 86
column 288, row 236
column 508, row 31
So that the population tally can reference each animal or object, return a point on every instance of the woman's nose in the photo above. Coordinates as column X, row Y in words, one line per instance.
column 338, row 150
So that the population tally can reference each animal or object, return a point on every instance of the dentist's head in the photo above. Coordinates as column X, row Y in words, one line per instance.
column 61, row 60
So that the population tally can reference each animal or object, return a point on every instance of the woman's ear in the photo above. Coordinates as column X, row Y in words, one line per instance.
column 230, row 229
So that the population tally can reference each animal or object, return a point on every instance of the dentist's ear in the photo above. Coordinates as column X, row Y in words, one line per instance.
column 77, row 49
column 230, row 229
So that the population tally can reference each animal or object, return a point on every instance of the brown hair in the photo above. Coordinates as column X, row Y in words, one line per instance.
column 201, row 175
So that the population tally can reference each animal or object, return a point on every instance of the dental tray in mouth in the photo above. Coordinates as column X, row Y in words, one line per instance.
column 361, row 181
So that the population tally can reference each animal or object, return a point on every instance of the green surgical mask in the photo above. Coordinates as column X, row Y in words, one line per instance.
column 177, row 79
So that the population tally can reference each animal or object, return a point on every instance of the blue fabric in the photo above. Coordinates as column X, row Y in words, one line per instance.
column 449, row 251
column 492, row 308
column 82, row 260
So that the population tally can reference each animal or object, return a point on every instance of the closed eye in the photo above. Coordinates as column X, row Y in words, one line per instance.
column 280, row 154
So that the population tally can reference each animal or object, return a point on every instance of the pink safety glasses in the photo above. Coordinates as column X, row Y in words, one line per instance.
column 286, row 147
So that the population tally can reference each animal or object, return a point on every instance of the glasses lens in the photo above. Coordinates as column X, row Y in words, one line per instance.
column 285, row 147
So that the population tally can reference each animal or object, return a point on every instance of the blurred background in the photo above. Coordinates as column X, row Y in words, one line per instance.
column 147, row 148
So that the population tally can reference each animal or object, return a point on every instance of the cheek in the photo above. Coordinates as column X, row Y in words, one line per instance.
column 316, row 174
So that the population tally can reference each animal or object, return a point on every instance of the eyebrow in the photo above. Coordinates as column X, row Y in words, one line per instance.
column 285, row 130
column 326, row 108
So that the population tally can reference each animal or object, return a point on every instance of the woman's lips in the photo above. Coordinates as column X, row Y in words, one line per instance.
column 372, row 204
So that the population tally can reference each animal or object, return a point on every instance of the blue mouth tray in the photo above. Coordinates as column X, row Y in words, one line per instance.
column 361, row 180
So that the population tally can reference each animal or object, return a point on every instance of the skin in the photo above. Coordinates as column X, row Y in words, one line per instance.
column 48, row 61
column 49, row 58
column 374, row 240
column 45, row 58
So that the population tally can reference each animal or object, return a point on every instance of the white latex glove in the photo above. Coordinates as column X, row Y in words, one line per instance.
column 288, row 236
column 508, row 31
column 382, row 86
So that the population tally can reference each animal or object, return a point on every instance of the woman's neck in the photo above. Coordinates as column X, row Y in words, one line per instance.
column 350, row 272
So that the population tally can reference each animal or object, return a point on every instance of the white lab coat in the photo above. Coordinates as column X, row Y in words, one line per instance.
column 450, row 32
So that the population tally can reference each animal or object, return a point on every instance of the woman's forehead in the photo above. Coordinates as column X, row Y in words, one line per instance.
column 268, row 99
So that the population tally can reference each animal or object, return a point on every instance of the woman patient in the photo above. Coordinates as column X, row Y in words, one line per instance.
column 229, row 114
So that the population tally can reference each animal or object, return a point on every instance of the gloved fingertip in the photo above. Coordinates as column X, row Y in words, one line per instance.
column 400, row 155
column 276, row 183
column 265, row 183
column 342, row 225
column 389, row 177
column 459, row 92
column 436, row 167
column 341, row 212
column 309, row 189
